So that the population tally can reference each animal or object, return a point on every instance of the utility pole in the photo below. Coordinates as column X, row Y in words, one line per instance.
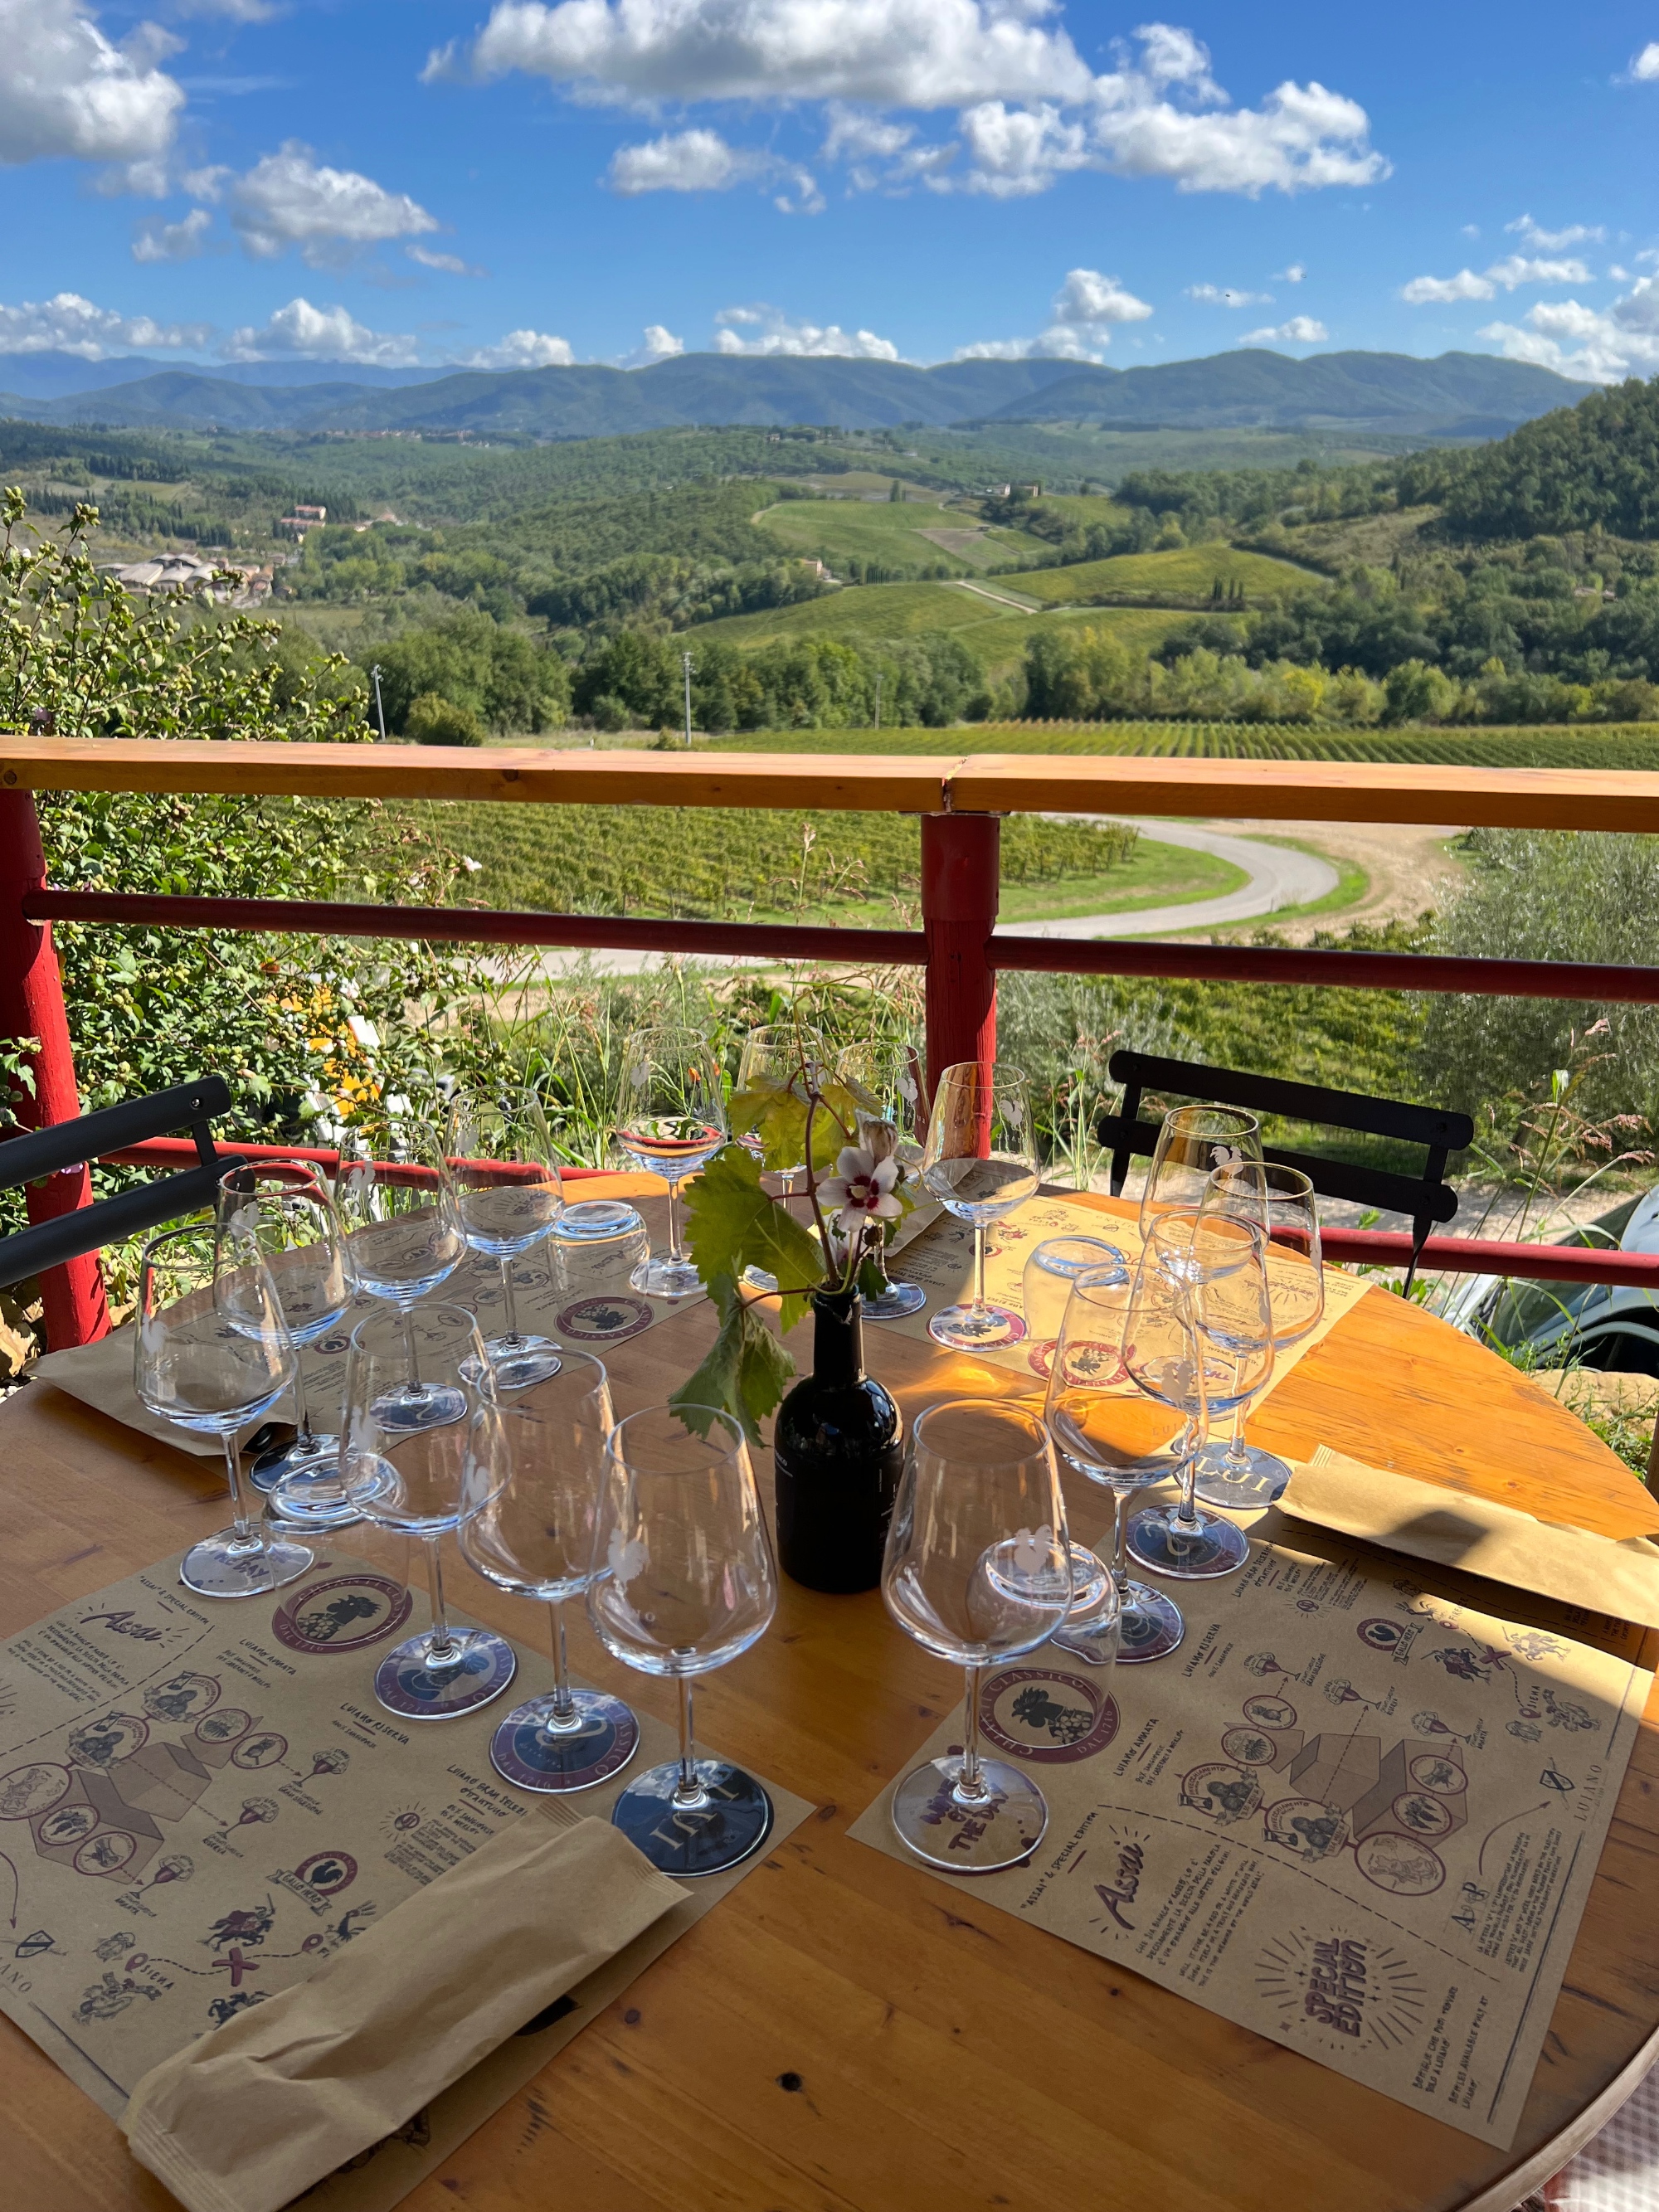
column 380, row 710
column 688, row 665
column 877, row 699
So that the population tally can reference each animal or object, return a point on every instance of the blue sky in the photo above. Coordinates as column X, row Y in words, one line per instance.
column 404, row 181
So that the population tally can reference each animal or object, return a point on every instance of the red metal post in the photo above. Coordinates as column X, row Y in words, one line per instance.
column 960, row 877
column 32, row 1005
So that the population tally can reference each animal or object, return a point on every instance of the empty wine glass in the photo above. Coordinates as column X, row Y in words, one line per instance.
column 1108, row 1428
column 1281, row 1202
column 885, row 1081
column 534, row 1537
column 1052, row 1267
column 421, row 1481
column 508, row 1196
column 1195, row 1341
column 193, row 1363
column 980, row 1161
column 672, row 1121
column 977, row 1571
column 403, row 1238
column 683, row 1582
column 1193, row 1141
column 777, row 1058
column 285, row 1206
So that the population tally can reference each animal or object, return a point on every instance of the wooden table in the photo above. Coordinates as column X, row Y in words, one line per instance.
column 846, row 2031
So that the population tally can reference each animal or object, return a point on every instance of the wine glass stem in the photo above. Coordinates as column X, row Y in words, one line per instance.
column 689, row 1790
column 412, row 1380
column 442, row 1647
column 564, row 1705
column 970, row 1783
column 1120, row 1539
column 302, row 1401
column 979, row 1267
column 507, row 1292
column 674, row 1251
column 249, row 1530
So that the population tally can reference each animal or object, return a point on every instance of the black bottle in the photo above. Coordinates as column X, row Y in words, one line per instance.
column 837, row 1447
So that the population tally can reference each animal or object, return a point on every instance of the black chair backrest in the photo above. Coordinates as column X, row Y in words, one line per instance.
column 42, row 1152
column 1427, row 1199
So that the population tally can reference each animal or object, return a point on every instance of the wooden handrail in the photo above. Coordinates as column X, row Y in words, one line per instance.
column 986, row 783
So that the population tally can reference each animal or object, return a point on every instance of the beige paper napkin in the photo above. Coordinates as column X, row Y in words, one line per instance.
column 253, row 2115
column 1600, row 1573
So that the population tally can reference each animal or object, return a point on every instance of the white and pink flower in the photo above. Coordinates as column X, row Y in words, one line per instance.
column 861, row 1190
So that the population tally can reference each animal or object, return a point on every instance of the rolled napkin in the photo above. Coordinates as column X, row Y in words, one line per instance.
column 253, row 2115
column 1603, row 1574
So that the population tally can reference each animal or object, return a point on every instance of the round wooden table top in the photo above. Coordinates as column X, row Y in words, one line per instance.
column 844, row 2031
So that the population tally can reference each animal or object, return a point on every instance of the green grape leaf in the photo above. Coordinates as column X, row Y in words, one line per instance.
column 732, row 1223
column 776, row 1114
column 745, row 1374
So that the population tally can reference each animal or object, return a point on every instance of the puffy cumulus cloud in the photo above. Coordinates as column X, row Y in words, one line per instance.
column 657, row 343
column 449, row 264
column 1554, row 241
column 1597, row 345
column 310, row 333
column 65, row 89
column 1219, row 296
column 701, row 160
column 156, row 240
column 1644, row 66
column 854, row 134
column 1082, row 315
column 1300, row 330
column 1295, row 274
column 521, row 350
column 1515, row 269
column 766, row 330
column 68, row 324
column 1440, row 291
column 289, row 200
column 1302, row 137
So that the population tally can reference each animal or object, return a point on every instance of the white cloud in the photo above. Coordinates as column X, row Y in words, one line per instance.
column 449, row 264
column 231, row 11
column 1553, row 241
column 1301, row 137
column 156, row 240
column 321, row 334
column 65, row 89
column 1598, row 346
column 659, row 343
column 1218, row 295
column 1644, row 68
column 1082, row 315
column 681, row 162
column 1516, row 269
column 1300, row 330
column 520, row 349
column 1295, row 274
column 773, row 333
column 855, row 134
column 68, row 323
column 1016, row 151
column 287, row 200
column 1439, row 291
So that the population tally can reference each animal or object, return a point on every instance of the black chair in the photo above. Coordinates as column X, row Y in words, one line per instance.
column 1427, row 1198
column 41, row 1152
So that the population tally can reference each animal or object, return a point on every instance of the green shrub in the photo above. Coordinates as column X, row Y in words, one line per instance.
column 432, row 719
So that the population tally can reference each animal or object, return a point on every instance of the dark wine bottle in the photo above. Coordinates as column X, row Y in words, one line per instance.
column 837, row 1447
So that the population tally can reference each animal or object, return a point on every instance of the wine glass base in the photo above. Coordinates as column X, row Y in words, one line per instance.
column 686, row 1841
column 527, row 1753
column 405, row 1684
column 220, row 1566
column 1150, row 1625
column 659, row 1277
column 598, row 1217
column 893, row 1303
column 1157, row 1540
column 968, row 1328
column 758, row 1279
column 415, row 1405
column 1001, row 1831
column 1223, row 1481
column 518, row 1361
column 302, row 1487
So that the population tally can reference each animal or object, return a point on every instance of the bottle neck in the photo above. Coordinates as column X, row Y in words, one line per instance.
column 837, row 1336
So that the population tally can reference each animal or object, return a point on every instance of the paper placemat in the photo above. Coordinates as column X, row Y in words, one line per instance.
column 941, row 1258
column 578, row 1296
column 199, row 1804
column 1359, row 1819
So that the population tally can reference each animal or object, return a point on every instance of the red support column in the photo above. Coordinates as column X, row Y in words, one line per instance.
column 960, row 877
column 32, row 1005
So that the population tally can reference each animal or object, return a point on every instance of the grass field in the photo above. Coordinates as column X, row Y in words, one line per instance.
column 1191, row 572
column 840, row 530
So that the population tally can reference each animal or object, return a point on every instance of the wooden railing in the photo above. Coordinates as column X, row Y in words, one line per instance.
column 959, row 799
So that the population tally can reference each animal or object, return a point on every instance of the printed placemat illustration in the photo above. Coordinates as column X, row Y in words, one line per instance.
column 1357, row 1819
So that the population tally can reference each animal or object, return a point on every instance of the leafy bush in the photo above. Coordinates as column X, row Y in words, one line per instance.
column 496, row 673
column 432, row 719
column 635, row 679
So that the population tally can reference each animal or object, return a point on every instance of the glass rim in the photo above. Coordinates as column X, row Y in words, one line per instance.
column 738, row 1450
column 1041, row 1436
column 510, row 1401
column 310, row 1171
column 1301, row 1183
column 997, row 1074
column 390, row 1317
column 1175, row 1114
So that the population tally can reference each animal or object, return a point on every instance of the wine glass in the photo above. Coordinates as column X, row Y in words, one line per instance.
column 403, row 1238
column 1200, row 1338
column 509, row 1197
column 885, row 1081
column 419, row 1481
column 776, row 1057
column 1052, row 1267
column 285, row 1207
column 683, row 1582
column 1117, row 1436
column 980, row 1161
column 1193, row 1141
column 192, row 1363
column 672, row 1122
column 534, row 1537
column 977, row 1572
column 1281, row 1202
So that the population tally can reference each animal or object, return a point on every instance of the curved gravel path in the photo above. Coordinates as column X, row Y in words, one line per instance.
column 1278, row 876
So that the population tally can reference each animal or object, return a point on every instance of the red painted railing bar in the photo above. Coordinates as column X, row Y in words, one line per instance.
column 175, row 1152
column 961, row 873
column 1486, row 1255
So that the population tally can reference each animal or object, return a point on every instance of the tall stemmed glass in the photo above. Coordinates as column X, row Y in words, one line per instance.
column 888, row 1077
column 1108, row 1428
column 509, row 1196
column 535, row 1538
column 671, row 1121
column 1193, row 1141
column 1197, row 1341
column 194, row 1364
column 775, row 1058
column 980, row 1161
column 286, row 1208
column 683, row 1582
column 1281, row 1202
column 977, row 1571
column 404, row 1238
column 420, row 1482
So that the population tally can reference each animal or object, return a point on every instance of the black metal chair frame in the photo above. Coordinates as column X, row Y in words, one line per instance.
column 1427, row 1199
column 42, row 1152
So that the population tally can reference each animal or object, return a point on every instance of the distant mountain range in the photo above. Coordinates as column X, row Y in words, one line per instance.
column 1457, row 395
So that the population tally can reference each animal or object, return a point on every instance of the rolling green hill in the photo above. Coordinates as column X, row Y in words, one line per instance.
column 1190, row 572
column 919, row 536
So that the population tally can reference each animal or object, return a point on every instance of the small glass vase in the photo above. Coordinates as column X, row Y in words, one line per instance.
column 837, row 1451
